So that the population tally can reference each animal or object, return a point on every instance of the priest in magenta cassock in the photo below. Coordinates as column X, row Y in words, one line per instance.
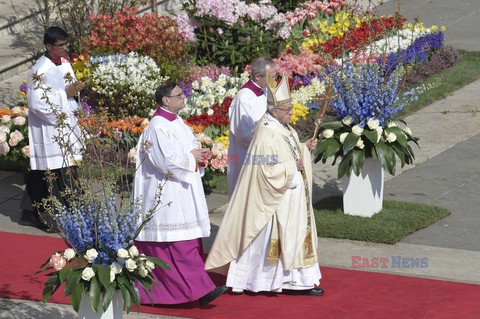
column 268, row 240
column 247, row 108
column 168, row 147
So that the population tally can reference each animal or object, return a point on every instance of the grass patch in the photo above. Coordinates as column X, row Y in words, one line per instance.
column 392, row 224
column 463, row 72
column 216, row 183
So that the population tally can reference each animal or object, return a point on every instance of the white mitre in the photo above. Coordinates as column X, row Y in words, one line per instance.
column 278, row 95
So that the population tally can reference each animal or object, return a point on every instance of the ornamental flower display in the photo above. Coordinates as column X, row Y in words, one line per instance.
column 14, row 135
column 124, row 86
column 101, row 257
column 365, row 127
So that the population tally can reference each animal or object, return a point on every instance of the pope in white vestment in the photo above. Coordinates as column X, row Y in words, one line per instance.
column 268, row 240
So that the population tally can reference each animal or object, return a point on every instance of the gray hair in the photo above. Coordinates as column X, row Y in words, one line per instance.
column 260, row 64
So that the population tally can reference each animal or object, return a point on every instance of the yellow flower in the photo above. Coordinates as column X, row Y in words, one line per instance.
column 434, row 28
column 79, row 75
column 223, row 139
column 300, row 111
column 23, row 95
column 443, row 28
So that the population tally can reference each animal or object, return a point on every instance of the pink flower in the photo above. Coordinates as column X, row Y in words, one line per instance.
column 4, row 148
column 15, row 138
column 26, row 151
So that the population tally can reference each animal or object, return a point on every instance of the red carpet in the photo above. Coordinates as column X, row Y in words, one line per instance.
column 348, row 293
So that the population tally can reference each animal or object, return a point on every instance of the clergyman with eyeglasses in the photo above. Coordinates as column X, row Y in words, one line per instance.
column 168, row 155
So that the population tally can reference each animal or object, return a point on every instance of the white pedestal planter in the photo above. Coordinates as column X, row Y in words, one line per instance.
column 363, row 194
column 114, row 311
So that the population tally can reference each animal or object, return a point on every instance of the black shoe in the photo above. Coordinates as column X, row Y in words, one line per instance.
column 308, row 292
column 212, row 295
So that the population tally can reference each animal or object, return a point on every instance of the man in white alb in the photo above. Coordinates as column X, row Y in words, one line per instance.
column 268, row 237
column 168, row 147
column 248, row 107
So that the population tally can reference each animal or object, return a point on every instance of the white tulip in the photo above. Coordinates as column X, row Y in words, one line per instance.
column 112, row 275
column 343, row 136
column 150, row 265
column 357, row 130
column 379, row 133
column 328, row 133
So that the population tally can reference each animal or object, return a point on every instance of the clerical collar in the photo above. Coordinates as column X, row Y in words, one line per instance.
column 253, row 87
column 166, row 114
column 57, row 60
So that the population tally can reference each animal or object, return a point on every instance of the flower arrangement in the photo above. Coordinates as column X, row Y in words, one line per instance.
column 233, row 32
column 146, row 34
column 125, row 88
column 101, row 257
column 365, row 109
column 14, row 135
column 207, row 92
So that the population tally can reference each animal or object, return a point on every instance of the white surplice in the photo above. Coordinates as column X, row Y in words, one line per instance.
column 165, row 147
column 45, row 153
column 246, row 110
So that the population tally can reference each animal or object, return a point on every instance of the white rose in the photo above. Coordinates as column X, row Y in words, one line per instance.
column 6, row 119
column 112, row 275
column 130, row 264
column 122, row 253
column 19, row 121
column 69, row 253
column 4, row 148
column 347, row 120
column 392, row 124
column 408, row 131
column 328, row 133
column 357, row 130
column 133, row 251
column 116, row 267
column 343, row 136
column 360, row 144
column 373, row 123
column 91, row 254
column 16, row 110
column 143, row 271
column 88, row 273
column 26, row 151
column 150, row 265
column 391, row 137
column 15, row 138
column 4, row 129
column 3, row 137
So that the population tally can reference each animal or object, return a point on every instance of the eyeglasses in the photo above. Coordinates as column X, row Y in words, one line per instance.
column 290, row 109
column 63, row 45
column 181, row 95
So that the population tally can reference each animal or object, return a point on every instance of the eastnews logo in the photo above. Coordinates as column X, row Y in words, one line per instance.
column 247, row 159
column 385, row 262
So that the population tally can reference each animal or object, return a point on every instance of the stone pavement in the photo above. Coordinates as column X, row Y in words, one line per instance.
column 445, row 173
